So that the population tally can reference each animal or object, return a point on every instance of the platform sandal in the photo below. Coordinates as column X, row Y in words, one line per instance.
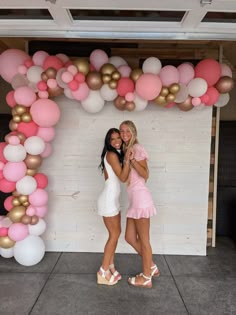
column 101, row 278
column 155, row 271
column 116, row 274
column 146, row 284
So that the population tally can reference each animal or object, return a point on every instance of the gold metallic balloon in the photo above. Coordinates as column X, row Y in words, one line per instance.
column 112, row 84
column 13, row 125
column 57, row 91
column 16, row 213
column 31, row 172
column 16, row 118
column 33, row 161
column 106, row 78
column 26, row 117
column 25, row 219
column 174, row 88
column 107, row 68
column 25, row 204
column 160, row 100
column 186, row 105
column 164, row 91
column 82, row 65
column 170, row 98
column 116, row 75
column 44, row 77
column 34, row 219
column 6, row 242
column 20, row 109
column 120, row 102
column 23, row 198
column 94, row 80
column 21, row 136
column 16, row 202
column 130, row 106
column 224, row 84
column 135, row 74
column 13, row 112
column 51, row 73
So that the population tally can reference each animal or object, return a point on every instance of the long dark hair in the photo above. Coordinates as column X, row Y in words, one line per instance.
column 108, row 147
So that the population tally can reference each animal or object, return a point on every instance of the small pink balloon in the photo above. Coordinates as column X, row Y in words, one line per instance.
column 24, row 95
column 43, row 94
column 31, row 211
column 72, row 69
column 67, row 77
column 52, row 62
column 225, row 70
column 10, row 99
column 28, row 63
column 42, row 86
column 22, row 69
column 98, row 58
column 169, row 75
column 13, row 140
column 129, row 97
column 52, row 83
column 204, row 98
column 82, row 92
column 170, row 105
column 6, row 186
column 8, row 203
column 18, row 231
column 47, row 134
column 186, row 73
column 28, row 129
column 41, row 211
column 39, row 197
column 80, row 77
column 3, row 231
column 124, row 70
column 73, row 85
column 47, row 151
column 42, row 180
column 39, row 57
column 196, row 101
column 14, row 171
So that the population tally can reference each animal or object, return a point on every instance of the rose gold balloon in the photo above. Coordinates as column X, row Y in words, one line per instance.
column 112, row 84
column 13, row 112
column 106, row 78
column 82, row 65
column 135, row 74
column 16, row 193
column 21, row 136
column 107, row 68
column 33, row 161
column 16, row 202
column 174, row 88
column 31, row 172
column 26, row 117
column 160, row 100
column 94, row 80
column 13, row 125
column 57, row 91
column 170, row 98
column 224, row 84
column 44, row 77
column 6, row 242
column 116, row 75
column 16, row 213
column 25, row 219
column 34, row 219
column 186, row 105
column 130, row 106
column 120, row 102
column 23, row 198
column 51, row 73
column 164, row 91
column 20, row 109
column 16, row 118
column 25, row 204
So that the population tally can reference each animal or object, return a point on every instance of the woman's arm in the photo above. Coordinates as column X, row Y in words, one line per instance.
column 121, row 173
column 141, row 168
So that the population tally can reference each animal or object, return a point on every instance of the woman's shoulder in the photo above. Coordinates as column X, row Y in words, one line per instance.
column 139, row 152
column 138, row 147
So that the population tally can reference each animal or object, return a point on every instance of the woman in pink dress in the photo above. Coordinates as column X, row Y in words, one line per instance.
column 141, row 206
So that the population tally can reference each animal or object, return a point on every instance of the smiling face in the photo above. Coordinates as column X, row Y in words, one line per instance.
column 116, row 141
column 125, row 133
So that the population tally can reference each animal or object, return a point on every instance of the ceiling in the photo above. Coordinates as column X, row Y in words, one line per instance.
column 176, row 21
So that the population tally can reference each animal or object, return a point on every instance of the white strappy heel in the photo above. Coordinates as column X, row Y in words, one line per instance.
column 101, row 278
column 116, row 274
column 155, row 271
column 146, row 284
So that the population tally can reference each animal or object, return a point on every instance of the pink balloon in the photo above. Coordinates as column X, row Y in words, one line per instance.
column 13, row 140
column 14, row 171
column 125, row 71
column 47, row 151
column 2, row 157
column 18, row 231
column 10, row 99
column 31, row 211
column 196, row 101
column 225, row 70
column 47, row 134
column 124, row 86
column 6, row 186
column 169, row 75
column 204, row 98
column 8, row 203
column 41, row 211
column 42, row 180
column 39, row 57
column 148, row 86
column 170, row 105
column 1, row 174
column 43, row 94
column 42, row 86
column 10, row 60
column 82, row 92
column 98, row 58
column 45, row 112
column 209, row 70
column 186, row 73
column 52, row 62
column 3, row 231
column 129, row 97
column 39, row 197
column 213, row 94
column 28, row 129
column 25, row 96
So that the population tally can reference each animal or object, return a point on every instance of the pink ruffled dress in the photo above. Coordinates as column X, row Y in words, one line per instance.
column 141, row 204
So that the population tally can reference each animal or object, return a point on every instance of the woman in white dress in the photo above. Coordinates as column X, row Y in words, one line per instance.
column 115, row 167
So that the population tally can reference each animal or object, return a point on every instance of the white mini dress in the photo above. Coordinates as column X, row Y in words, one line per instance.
column 108, row 203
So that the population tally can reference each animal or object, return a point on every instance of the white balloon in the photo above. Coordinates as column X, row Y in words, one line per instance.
column 152, row 65
column 26, row 185
column 94, row 103
column 140, row 103
column 34, row 74
column 197, row 87
column 14, row 153
column 117, row 61
column 223, row 100
column 107, row 93
column 38, row 228
column 68, row 94
column 29, row 251
column 19, row 80
column 182, row 95
column 6, row 252
column 34, row 145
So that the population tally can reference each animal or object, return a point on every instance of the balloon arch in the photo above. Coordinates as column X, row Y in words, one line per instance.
column 91, row 81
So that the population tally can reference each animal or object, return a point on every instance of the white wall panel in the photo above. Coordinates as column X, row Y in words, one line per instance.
column 178, row 144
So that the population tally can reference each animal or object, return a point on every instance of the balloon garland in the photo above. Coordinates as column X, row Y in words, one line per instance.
column 91, row 81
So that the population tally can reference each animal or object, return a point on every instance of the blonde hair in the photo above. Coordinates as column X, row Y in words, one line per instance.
column 133, row 131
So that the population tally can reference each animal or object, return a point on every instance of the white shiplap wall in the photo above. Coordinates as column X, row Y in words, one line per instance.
column 178, row 144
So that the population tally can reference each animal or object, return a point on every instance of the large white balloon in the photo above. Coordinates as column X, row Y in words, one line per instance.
column 152, row 65
column 38, row 228
column 26, row 185
column 107, row 93
column 14, row 153
column 6, row 252
column 140, row 103
column 223, row 100
column 197, row 87
column 34, row 145
column 29, row 251
column 117, row 61
column 34, row 74
column 93, row 103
